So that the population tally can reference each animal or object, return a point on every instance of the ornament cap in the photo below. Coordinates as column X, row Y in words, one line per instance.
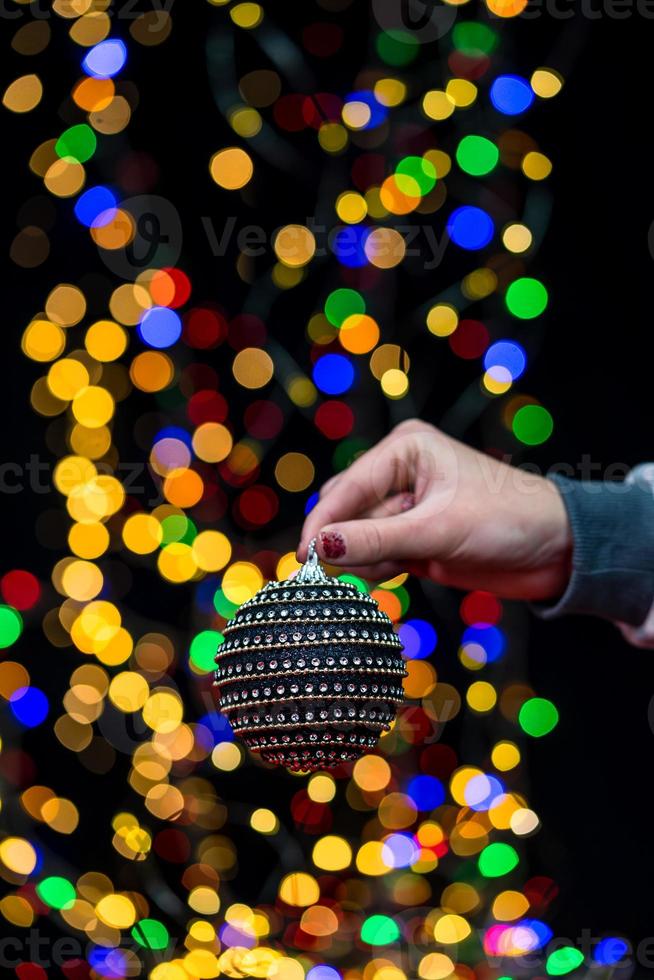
column 312, row 571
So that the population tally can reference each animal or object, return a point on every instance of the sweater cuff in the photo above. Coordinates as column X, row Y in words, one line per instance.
column 613, row 551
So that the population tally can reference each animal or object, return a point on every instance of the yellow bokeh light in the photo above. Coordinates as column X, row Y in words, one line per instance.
column 536, row 165
column 212, row 442
column 247, row 15
column 264, row 821
column 394, row 383
column 163, row 711
column 176, row 562
column 374, row 858
column 43, row 341
column 321, row 788
column 231, row 168
column 294, row 472
column 116, row 911
column 142, row 534
column 462, row 92
column 371, row 773
column 442, row 320
column 241, row 582
column 23, row 94
column 294, row 245
column 106, row 340
column 437, row 104
column 299, row 889
column 253, row 367
column 332, row 853
column 18, row 855
column 451, row 929
column 385, row 248
column 546, row 82
column 506, row 8
column 351, row 207
column 93, row 406
column 505, row 756
column 517, row 237
column 481, row 696
column 435, row 966
column 211, row 550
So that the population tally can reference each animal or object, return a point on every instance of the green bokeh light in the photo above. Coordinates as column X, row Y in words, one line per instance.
column 477, row 155
column 532, row 425
column 56, row 892
column 343, row 303
column 347, row 451
column 538, row 717
column 177, row 528
column 223, row 605
column 526, row 298
column 380, row 930
column 497, row 859
column 474, row 39
column 151, row 934
column 415, row 172
column 354, row 580
column 11, row 626
column 397, row 48
column 203, row 649
column 563, row 961
column 78, row 143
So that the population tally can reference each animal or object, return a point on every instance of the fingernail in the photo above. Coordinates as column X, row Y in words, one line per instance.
column 332, row 544
column 408, row 501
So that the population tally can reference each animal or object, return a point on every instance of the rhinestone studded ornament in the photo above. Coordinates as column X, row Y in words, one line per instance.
column 310, row 671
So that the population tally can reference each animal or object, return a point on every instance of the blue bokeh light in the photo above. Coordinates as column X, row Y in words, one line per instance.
column 96, row 207
column 489, row 638
column 311, row 502
column 378, row 112
column 105, row 59
column 333, row 374
column 507, row 356
column 427, row 792
column 418, row 638
column 29, row 706
column 610, row 950
column 349, row 245
column 160, row 327
column 511, row 94
column 470, row 228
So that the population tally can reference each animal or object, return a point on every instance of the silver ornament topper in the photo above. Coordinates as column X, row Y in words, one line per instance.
column 312, row 572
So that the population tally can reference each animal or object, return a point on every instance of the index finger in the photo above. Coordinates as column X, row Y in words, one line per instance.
column 363, row 485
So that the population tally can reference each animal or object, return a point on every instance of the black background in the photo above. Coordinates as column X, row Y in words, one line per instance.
column 589, row 780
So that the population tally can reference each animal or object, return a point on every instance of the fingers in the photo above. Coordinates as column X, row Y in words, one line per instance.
column 373, row 541
column 376, row 573
column 400, row 503
column 362, row 486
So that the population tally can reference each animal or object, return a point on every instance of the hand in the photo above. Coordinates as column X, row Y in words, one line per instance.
column 423, row 502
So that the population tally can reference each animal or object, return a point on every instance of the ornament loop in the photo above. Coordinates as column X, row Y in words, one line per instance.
column 311, row 571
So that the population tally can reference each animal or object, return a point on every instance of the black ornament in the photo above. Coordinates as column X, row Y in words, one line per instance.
column 310, row 671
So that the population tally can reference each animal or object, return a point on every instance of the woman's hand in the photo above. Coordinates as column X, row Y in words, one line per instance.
column 423, row 502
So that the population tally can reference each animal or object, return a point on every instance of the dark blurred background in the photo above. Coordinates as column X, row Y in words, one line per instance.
column 591, row 365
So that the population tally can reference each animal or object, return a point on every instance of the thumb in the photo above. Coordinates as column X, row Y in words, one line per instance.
column 368, row 542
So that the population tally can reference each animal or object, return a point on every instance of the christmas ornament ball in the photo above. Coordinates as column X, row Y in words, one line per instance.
column 310, row 671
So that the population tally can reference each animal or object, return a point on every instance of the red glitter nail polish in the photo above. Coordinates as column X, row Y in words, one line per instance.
column 333, row 544
column 408, row 501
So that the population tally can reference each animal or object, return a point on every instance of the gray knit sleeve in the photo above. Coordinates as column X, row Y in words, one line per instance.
column 613, row 550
